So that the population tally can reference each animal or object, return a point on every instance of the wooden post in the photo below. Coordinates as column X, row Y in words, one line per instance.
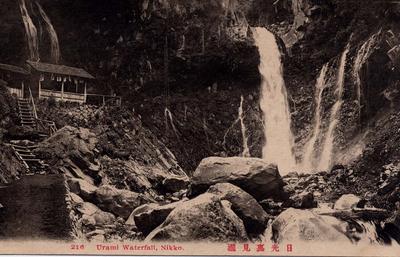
column 23, row 89
column 85, row 94
column 62, row 89
column 40, row 88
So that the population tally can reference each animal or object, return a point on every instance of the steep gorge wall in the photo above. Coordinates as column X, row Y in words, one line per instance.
column 197, row 58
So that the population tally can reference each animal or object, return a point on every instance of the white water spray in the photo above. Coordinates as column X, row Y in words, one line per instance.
column 278, row 148
column 246, row 151
column 327, row 152
column 55, row 46
column 31, row 32
column 310, row 147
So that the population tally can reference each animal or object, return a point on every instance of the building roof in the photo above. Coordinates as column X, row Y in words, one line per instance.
column 3, row 83
column 12, row 68
column 60, row 69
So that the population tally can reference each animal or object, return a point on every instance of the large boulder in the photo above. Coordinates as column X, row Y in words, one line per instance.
column 255, row 176
column 82, row 188
column 117, row 201
column 149, row 216
column 346, row 202
column 202, row 218
column 141, row 178
column 93, row 216
column 295, row 225
column 66, row 142
column 254, row 217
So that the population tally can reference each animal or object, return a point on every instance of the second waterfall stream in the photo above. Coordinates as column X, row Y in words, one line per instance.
column 278, row 148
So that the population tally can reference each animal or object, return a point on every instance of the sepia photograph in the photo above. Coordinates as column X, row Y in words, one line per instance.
column 200, row 127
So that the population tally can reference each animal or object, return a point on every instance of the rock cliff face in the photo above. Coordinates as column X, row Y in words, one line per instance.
column 184, row 65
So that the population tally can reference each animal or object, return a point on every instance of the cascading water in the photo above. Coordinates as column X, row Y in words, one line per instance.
column 168, row 116
column 310, row 146
column 246, row 151
column 278, row 148
column 327, row 152
column 362, row 55
column 55, row 46
column 31, row 32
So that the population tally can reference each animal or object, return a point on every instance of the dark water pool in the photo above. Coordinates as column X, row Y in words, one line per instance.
column 35, row 208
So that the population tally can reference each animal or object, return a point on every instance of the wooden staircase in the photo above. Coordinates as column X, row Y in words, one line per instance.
column 29, row 118
column 28, row 158
column 26, row 113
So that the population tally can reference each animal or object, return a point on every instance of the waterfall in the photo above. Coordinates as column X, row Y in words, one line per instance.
column 246, row 151
column 55, row 47
column 362, row 55
column 310, row 146
column 168, row 116
column 327, row 154
column 31, row 32
column 278, row 148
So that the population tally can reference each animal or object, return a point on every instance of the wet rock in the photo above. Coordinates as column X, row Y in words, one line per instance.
column 202, row 218
column 295, row 225
column 149, row 216
column 348, row 201
column 118, row 202
column 255, row 219
column 253, row 175
column 82, row 188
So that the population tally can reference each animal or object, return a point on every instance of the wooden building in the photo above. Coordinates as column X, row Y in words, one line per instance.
column 16, row 78
column 45, row 80
column 58, row 81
